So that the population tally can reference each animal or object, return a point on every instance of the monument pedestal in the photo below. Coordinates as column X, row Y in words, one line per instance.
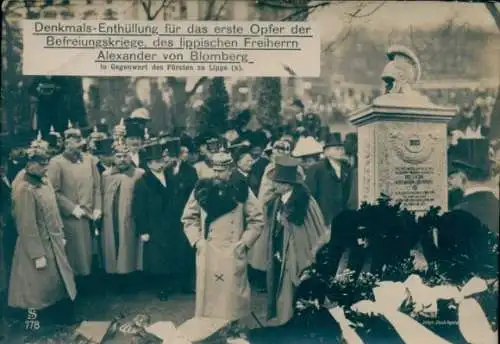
column 402, row 151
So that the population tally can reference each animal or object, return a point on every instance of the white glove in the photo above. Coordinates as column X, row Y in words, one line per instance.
column 78, row 212
column 96, row 215
column 64, row 241
column 41, row 263
column 145, row 237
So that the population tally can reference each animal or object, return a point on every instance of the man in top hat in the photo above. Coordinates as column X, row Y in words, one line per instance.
column 222, row 220
column 182, row 178
column 267, row 192
column 41, row 278
column 297, row 231
column 134, row 139
column 479, row 198
column 260, row 151
column 77, row 185
column 119, row 236
column 102, row 149
column 329, row 180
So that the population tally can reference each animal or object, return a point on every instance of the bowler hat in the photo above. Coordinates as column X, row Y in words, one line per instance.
column 153, row 151
column 333, row 140
column 173, row 147
column 286, row 171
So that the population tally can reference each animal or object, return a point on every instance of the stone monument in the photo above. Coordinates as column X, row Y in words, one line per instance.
column 402, row 140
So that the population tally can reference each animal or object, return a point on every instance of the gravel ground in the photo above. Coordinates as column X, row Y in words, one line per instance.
column 177, row 309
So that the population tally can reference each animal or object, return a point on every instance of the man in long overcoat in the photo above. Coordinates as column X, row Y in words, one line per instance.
column 120, row 241
column 182, row 178
column 258, row 254
column 41, row 277
column 297, row 230
column 222, row 222
column 329, row 180
column 77, row 185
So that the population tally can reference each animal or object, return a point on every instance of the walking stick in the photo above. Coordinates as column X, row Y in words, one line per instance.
column 257, row 320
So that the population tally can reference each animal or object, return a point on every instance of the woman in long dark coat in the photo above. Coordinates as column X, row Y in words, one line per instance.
column 151, row 204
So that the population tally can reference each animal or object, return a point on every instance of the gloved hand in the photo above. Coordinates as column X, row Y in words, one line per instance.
column 78, row 212
column 41, row 263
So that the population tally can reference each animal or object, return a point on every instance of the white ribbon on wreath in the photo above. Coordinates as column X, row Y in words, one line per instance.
column 472, row 321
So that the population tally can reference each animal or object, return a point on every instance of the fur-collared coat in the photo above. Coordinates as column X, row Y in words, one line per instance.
column 258, row 253
column 222, row 221
column 119, row 239
column 40, row 230
column 296, row 232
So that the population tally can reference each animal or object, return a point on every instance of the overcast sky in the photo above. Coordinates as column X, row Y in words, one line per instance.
column 400, row 15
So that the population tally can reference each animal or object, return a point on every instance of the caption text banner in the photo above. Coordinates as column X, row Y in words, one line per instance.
column 174, row 48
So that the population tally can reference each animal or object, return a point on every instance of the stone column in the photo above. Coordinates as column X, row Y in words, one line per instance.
column 402, row 143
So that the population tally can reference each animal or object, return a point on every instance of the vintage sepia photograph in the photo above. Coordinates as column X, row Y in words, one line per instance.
column 249, row 172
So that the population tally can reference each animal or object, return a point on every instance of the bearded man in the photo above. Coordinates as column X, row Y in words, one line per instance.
column 41, row 277
column 222, row 220
column 120, row 241
column 77, row 185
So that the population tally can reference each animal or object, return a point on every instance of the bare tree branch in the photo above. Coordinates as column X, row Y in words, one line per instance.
column 164, row 4
column 210, row 10
column 195, row 87
column 357, row 14
column 490, row 6
column 338, row 41
column 305, row 10
column 221, row 8
column 147, row 8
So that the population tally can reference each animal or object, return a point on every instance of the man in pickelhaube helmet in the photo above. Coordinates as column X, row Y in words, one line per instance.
column 215, row 205
column 119, row 238
column 77, row 186
column 41, row 278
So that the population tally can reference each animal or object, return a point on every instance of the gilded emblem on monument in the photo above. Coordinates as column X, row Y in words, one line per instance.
column 413, row 148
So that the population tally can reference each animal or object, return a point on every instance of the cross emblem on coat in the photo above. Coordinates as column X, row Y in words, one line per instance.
column 219, row 277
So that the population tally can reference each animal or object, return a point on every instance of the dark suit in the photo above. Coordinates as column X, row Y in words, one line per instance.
column 331, row 192
column 183, row 183
column 256, row 173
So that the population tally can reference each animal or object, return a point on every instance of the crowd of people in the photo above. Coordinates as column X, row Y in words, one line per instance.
column 125, row 208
